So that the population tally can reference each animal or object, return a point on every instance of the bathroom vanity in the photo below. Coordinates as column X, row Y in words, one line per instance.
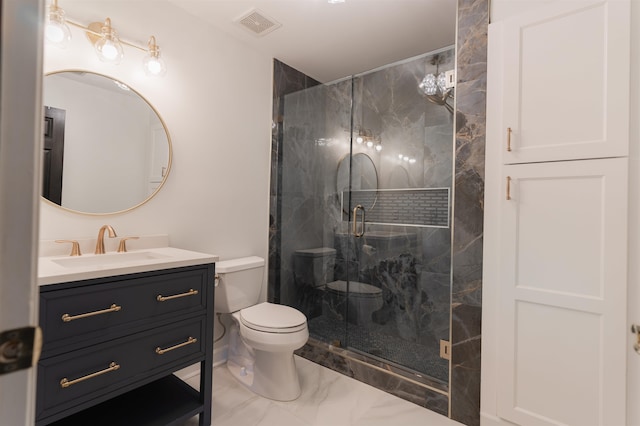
column 112, row 341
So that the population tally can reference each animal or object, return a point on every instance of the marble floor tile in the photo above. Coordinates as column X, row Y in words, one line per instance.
column 328, row 399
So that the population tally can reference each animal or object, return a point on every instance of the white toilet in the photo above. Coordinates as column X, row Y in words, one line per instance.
column 263, row 335
column 363, row 300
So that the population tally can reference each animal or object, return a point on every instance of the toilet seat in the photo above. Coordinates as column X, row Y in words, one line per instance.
column 272, row 318
column 356, row 289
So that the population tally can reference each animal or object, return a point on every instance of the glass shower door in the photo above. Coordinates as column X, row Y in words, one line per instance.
column 399, row 283
column 363, row 207
column 315, row 140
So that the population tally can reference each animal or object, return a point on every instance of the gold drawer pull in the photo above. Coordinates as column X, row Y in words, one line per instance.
column 65, row 383
column 162, row 298
column 189, row 341
column 112, row 308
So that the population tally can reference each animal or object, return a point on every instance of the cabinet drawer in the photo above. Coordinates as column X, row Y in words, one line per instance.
column 109, row 305
column 102, row 369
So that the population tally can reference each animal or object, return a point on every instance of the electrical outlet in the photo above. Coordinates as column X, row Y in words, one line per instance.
column 445, row 349
column 451, row 79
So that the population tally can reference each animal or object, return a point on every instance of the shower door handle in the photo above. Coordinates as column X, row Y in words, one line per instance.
column 355, row 221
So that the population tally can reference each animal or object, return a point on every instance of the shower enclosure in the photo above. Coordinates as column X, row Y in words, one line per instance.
column 362, row 173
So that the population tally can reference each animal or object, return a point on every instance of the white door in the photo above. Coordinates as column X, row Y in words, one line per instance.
column 566, row 82
column 633, row 358
column 20, row 147
column 562, row 333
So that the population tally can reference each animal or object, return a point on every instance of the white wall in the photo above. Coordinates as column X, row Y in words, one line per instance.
column 216, row 102
column 491, row 369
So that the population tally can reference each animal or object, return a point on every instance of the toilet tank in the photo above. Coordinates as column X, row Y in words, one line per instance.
column 314, row 267
column 238, row 283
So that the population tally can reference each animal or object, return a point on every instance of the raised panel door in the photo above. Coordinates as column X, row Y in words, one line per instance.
column 563, row 287
column 566, row 82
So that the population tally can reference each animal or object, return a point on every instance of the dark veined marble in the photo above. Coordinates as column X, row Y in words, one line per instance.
column 466, row 294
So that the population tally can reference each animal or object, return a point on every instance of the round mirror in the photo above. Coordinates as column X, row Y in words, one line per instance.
column 106, row 148
column 363, row 176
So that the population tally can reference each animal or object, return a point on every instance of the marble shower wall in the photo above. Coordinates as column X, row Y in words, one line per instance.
column 466, row 294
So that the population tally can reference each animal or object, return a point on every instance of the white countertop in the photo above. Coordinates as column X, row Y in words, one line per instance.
column 64, row 268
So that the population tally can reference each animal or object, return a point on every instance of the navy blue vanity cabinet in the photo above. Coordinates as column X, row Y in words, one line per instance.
column 111, row 346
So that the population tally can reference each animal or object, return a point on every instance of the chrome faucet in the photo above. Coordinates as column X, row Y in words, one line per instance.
column 100, row 241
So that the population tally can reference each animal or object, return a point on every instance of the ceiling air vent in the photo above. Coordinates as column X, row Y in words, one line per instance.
column 258, row 23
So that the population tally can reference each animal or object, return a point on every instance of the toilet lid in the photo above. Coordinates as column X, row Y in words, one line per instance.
column 273, row 318
column 355, row 287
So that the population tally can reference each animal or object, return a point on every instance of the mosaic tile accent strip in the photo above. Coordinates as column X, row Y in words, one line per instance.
column 428, row 207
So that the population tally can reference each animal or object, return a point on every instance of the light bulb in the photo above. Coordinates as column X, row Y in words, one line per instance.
column 412, row 160
column 154, row 66
column 405, row 158
column 109, row 51
column 359, row 139
column 108, row 47
column 56, row 30
column 153, row 63
column 378, row 147
column 400, row 156
column 369, row 144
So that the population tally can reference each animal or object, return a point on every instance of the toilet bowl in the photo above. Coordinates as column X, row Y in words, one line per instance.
column 263, row 336
column 362, row 299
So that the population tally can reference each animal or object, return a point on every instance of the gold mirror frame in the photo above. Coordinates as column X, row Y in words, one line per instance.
column 164, row 126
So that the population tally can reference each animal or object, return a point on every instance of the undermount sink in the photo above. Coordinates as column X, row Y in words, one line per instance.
column 109, row 259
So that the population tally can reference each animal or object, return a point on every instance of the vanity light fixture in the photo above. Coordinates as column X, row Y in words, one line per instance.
column 108, row 46
column 153, row 63
column 56, row 30
column 366, row 136
column 406, row 159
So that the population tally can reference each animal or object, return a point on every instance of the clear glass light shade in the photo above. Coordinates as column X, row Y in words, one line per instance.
column 154, row 65
column 428, row 85
column 56, row 30
column 442, row 82
column 108, row 47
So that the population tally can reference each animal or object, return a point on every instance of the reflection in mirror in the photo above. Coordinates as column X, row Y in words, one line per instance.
column 399, row 178
column 363, row 175
column 106, row 148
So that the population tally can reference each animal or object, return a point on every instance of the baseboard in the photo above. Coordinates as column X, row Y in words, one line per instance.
column 491, row 420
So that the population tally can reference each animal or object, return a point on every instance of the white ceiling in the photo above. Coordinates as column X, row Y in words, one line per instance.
column 325, row 41
column 332, row 41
